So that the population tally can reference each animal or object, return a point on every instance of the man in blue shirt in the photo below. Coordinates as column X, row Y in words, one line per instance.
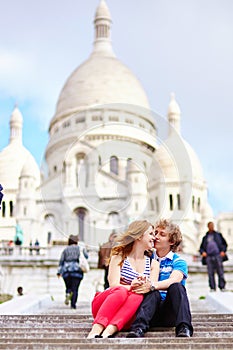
column 165, row 302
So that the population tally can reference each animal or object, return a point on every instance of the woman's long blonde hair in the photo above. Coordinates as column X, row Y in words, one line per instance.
column 124, row 241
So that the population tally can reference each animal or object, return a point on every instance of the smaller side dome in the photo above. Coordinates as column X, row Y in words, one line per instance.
column 178, row 160
column 195, row 163
column 207, row 212
column 174, row 115
column 30, row 169
column 16, row 125
column 173, row 107
column 16, row 116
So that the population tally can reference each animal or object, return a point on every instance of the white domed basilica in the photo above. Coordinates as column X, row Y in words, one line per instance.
column 104, row 164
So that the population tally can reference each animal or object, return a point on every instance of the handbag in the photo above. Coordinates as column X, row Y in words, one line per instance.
column 83, row 263
column 225, row 258
column 203, row 260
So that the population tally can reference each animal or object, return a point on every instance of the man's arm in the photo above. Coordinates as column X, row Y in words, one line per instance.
column 175, row 277
column 224, row 243
column 203, row 245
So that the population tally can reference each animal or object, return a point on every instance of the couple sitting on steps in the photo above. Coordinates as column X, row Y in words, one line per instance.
column 145, row 291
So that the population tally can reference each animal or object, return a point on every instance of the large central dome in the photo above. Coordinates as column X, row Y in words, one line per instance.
column 102, row 79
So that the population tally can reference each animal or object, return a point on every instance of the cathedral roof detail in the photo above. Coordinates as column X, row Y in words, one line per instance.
column 102, row 78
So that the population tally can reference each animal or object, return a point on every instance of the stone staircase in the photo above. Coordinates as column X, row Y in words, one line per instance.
column 62, row 328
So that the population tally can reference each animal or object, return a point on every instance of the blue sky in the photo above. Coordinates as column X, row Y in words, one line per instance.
column 180, row 46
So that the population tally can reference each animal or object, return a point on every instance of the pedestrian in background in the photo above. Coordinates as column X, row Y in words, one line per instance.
column 20, row 291
column 37, row 246
column 104, row 255
column 213, row 248
column 70, row 270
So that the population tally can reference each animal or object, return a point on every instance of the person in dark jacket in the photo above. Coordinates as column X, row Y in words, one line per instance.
column 104, row 255
column 213, row 247
column 70, row 270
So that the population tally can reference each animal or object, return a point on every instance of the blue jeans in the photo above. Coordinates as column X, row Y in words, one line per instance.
column 214, row 264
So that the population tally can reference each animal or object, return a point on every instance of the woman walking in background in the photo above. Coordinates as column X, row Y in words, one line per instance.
column 129, row 267
column 70, row 270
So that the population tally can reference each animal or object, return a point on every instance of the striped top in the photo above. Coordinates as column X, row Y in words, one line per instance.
column 128, row 274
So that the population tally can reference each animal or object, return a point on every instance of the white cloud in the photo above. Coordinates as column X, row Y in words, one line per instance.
column 23, row 78
column 16, row 70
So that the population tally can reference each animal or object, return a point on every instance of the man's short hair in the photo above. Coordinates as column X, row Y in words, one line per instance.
column 175, row 235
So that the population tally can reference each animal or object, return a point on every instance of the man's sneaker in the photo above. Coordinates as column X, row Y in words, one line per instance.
column 67, row 299
column 183, row 331
column 137, row 333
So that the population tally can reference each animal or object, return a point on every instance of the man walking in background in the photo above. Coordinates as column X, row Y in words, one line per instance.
column 213, row 247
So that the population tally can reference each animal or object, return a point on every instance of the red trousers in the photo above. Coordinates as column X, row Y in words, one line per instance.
column 116, row 306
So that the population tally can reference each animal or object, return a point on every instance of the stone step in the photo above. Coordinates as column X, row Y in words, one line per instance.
column 63, row 328
column 109, row 344
column 86, row 327
column 88, row 317
column 64, row 339
column 49, row 333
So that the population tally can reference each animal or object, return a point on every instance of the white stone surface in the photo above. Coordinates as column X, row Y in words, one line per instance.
column 25, row 304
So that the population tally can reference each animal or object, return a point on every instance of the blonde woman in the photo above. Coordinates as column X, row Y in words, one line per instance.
column 129, row 268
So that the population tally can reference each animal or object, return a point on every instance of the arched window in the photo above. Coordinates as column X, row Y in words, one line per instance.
column 129, row 160
column 157, row 204
column 170, row 201
column 11, row 208
column 3, row 209
column 199, row 204
column 128, row 165
column 152, row 204
column 193, row 202
column 178, row 202
column 49, row 225
column 81, row 214
column 114, row 165
column 80, row 162
column 114, row 219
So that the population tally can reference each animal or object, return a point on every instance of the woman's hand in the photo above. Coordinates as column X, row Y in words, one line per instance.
column 141, row 285
column 136, row 283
